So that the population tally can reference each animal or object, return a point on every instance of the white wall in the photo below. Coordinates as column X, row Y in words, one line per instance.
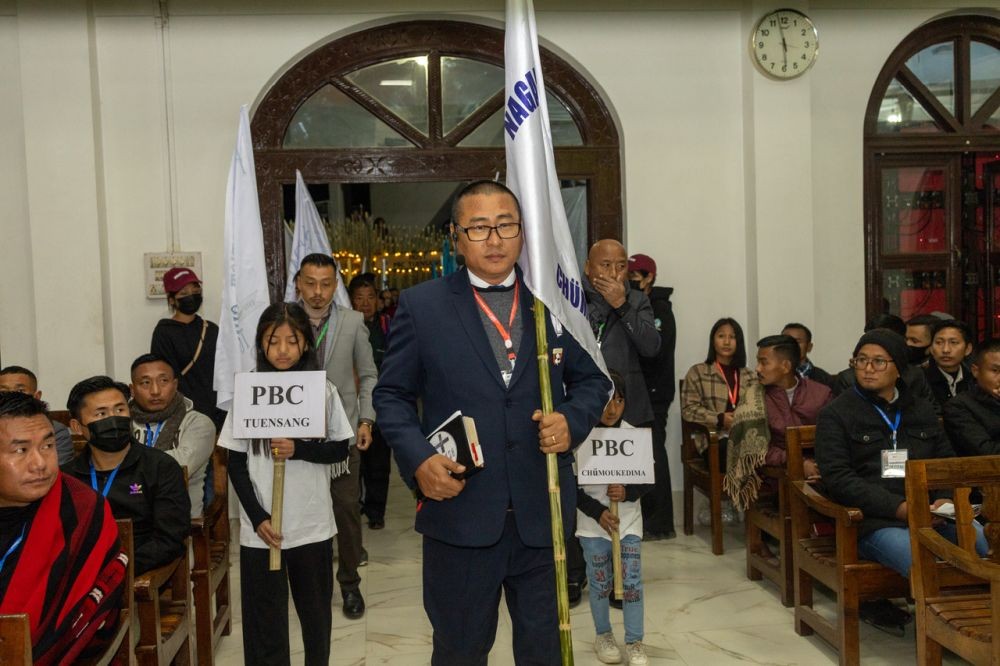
column 748, row 192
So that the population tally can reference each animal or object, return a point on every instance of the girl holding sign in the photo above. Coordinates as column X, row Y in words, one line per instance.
column 284, row 342
column 595, row 525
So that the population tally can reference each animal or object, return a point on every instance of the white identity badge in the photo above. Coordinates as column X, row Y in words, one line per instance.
column 893, row 463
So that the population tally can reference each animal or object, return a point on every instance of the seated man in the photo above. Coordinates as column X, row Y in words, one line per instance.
column 63, row 564
column 919, row 334
column 863, row 439
column 789, row 399
column 972, row 418
column 164, row 418
column 947, row 373
column 803, row 336
column 141, row 483
column 22, row 380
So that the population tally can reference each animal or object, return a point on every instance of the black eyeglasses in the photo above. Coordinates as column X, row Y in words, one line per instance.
column 478, row 233
column 879, row 364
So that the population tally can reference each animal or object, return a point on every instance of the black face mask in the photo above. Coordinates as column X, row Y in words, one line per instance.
column 916, row 355
column 189, row 304
column 111, row 434
column 635, row 285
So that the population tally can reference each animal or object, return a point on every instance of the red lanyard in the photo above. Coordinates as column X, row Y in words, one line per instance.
column 504, row 332
column 733, row 391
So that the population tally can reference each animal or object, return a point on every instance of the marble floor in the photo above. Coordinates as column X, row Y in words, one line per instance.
column 699, row 609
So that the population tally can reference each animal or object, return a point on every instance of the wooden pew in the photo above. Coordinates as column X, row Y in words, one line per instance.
column 770, row 515
column 706, row 478
column 830, row 560
column 955, row 591
column 163, row 602
column 210, row 569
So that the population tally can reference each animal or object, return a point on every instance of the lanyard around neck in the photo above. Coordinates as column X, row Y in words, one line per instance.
column 153, row 435
column 13, row 547
column 504, row 332
column 322, row 333
column 107, row 485
column 893, row 425
column 734, row 390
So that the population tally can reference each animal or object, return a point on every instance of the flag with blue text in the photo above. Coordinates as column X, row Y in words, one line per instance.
column 244, row 287
column 547, row 257
column 310, row 237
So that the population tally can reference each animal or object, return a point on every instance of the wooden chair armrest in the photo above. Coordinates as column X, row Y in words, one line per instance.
column 824, row 506
column 148, row 584
column 772, row 472
column 928, row 537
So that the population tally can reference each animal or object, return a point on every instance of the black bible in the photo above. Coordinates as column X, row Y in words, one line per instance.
column 456, row 438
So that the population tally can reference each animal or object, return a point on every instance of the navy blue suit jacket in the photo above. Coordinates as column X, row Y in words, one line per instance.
column 439, row 354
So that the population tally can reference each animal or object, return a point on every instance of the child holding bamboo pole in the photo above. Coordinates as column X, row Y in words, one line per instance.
column 598, row 525
column 284, row 342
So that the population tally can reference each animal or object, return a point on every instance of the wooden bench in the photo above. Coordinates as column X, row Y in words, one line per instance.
column 830, row 560
column 955, row 591
column 706, row 478
column 163, row 602
column 210, row 569
column 770, row 515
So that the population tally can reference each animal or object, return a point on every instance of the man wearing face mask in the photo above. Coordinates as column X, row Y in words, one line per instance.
column 187, row 342
column 139, row 482
column 919, row 334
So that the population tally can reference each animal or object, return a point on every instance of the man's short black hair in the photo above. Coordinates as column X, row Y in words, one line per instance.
column 317, row 259
column 957, row 324
column 14, row 404
column 928, row 320
column 482, row 187
column 95, row 384
column 800, row 327
column 359, row 281
column 785, row 347
column 889, row 321
column 617, row 383
column 19, row 370
column 987, row 346
column 151, row 358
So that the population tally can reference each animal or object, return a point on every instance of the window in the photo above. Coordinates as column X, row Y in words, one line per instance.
column 422, row 101
column 932, row 175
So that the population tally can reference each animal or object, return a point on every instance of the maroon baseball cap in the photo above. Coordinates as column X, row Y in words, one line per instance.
column 175, row 279
column 641, row 262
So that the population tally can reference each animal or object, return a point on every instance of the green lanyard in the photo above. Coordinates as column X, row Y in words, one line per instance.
column 322, row 333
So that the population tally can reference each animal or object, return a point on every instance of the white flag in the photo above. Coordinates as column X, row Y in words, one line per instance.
column 310, row 237
column 244, row 289
column 547, row 257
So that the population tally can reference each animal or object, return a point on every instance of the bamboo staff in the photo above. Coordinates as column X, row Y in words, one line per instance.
column 277, row 504
column 555, row 504
column 616, row 555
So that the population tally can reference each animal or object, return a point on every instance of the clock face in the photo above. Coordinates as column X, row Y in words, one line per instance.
column 784, row 44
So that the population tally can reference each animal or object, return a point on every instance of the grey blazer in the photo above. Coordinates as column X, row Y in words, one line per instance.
column 347, row 353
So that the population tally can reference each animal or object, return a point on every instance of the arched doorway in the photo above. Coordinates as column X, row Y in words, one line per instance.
column 932, row 175
column 420, row 102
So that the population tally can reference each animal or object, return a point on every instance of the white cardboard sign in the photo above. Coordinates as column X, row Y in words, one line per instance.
column 615, row 455
column 279, row 404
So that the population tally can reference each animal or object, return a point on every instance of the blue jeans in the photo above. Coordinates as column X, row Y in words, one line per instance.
column 891, row 545
column 600, row 575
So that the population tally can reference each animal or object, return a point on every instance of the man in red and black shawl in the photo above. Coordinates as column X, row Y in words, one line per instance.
column 60, row 556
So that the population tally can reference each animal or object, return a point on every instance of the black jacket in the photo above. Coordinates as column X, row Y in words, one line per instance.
column 939, row 385
column 850, row 437
column 913, row 377
column 972, row 421
column 177, row 342
column 594, row 509
column 658, row 371
column 818, row 374
column 625, row 334
column 149, row 488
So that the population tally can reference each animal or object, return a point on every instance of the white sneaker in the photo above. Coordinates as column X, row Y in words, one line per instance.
column 636, row 654
column 607, row 649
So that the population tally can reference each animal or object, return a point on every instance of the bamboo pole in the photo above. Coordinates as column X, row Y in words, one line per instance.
column 616, row 555
column 555, row 504
column 277, row 505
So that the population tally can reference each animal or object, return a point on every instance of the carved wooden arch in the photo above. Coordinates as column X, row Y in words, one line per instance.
column 435, row 157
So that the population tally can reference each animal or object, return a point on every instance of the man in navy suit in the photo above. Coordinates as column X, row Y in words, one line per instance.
column 466, row 342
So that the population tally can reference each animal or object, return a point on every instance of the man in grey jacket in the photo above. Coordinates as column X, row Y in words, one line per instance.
column 345, row 353
column 623, row 322
column 163, row 418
